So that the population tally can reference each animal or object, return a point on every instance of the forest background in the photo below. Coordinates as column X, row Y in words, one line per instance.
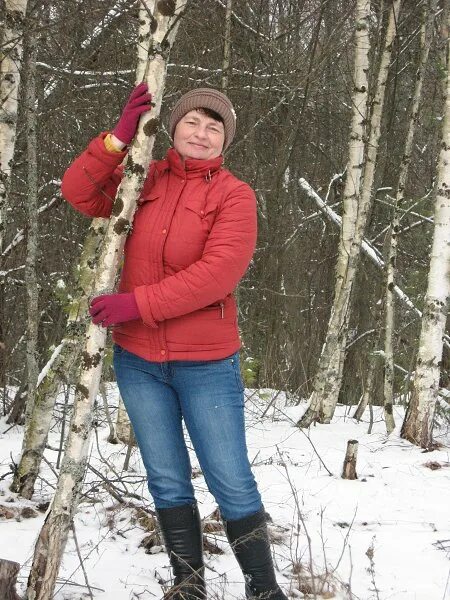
column 291, row 80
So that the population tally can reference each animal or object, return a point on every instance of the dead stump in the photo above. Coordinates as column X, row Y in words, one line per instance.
column 349, row 469
column 8, row 579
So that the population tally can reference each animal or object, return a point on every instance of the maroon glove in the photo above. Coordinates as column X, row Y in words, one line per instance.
column 111, row 309
column 138, row 103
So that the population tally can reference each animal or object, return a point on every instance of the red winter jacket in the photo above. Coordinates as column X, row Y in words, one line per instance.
column 193, row 236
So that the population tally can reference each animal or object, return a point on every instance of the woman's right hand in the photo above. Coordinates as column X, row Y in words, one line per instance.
column 138, row 103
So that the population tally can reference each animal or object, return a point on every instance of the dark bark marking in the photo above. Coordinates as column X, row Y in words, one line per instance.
column 117, row 207
column 167, row 7
column 151, row 127
column 122, row 226
column 82, row 389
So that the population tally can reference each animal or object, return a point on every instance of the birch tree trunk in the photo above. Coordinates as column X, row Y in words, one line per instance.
column 53, row 536
column 227, row 47
column 351, row 195
column 357, row 203
column 31, row 280
column 11, row 40
column 124, row 430
column 65, row 360
column 418, row 424
column 61, row 367
column 391, row 266
column 10, row 65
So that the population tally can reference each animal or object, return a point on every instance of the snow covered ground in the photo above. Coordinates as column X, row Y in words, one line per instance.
column 384, row 536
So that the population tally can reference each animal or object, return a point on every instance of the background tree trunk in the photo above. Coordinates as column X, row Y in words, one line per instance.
column 10, row 67
column 31, row 263
column 328, row 381
column 418, row 424
column 426, row 34
column 226, row 65
column 11, row 39
column 327, row 375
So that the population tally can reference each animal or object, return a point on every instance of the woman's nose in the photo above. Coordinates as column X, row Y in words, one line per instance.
column 200, row 132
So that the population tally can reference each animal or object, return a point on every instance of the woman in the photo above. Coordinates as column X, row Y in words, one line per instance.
column 175, row 327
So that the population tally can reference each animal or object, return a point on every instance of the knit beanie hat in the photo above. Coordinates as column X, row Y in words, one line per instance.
column 206, row 98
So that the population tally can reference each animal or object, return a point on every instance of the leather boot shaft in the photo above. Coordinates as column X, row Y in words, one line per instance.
column 249, row 540
column 182, row 533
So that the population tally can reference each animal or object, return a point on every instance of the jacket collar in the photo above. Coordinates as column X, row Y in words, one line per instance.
column 191, row 167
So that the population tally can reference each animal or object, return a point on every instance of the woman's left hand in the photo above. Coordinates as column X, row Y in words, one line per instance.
column 111, row 309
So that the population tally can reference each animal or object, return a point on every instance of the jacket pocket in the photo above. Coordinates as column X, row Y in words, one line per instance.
column 201, row 207
column 218, row 307
column 151, row 197
column 197, row 220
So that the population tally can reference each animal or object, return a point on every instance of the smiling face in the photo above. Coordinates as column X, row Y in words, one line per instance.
column 198, row 136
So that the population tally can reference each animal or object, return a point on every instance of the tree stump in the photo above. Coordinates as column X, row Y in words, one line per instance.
column 8, row 578
column 349, row 470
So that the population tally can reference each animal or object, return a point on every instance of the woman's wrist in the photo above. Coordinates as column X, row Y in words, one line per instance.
column 117, row 143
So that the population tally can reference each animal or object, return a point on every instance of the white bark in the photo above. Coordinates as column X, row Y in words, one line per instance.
column 426, row 34
column 59, row 369
column 53, row 535
column 418, row 424
column 146, row 9
column 357, row 203
column 367, row 394
column 328, row 360
column 124, row 430
column 10, row 66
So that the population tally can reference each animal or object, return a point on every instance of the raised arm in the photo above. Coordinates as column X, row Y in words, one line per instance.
column 91, row 181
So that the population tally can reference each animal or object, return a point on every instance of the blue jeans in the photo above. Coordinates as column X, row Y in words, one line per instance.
column 209, row 397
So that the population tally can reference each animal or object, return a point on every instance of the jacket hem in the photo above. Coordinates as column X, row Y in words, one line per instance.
column 213, row 352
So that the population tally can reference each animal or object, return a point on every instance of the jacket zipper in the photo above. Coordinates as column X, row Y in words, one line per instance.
column 221, row 306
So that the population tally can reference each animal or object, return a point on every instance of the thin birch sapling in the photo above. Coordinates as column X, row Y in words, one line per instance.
column 391, row 260
column 53, row 535
column 417, row 426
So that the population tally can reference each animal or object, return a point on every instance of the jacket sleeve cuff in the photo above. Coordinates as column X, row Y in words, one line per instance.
column 140, row 294
column 98, row 149
column 110, row 146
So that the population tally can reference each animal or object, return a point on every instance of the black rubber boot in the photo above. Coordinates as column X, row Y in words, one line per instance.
column 249, row 540
column 182, row 532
